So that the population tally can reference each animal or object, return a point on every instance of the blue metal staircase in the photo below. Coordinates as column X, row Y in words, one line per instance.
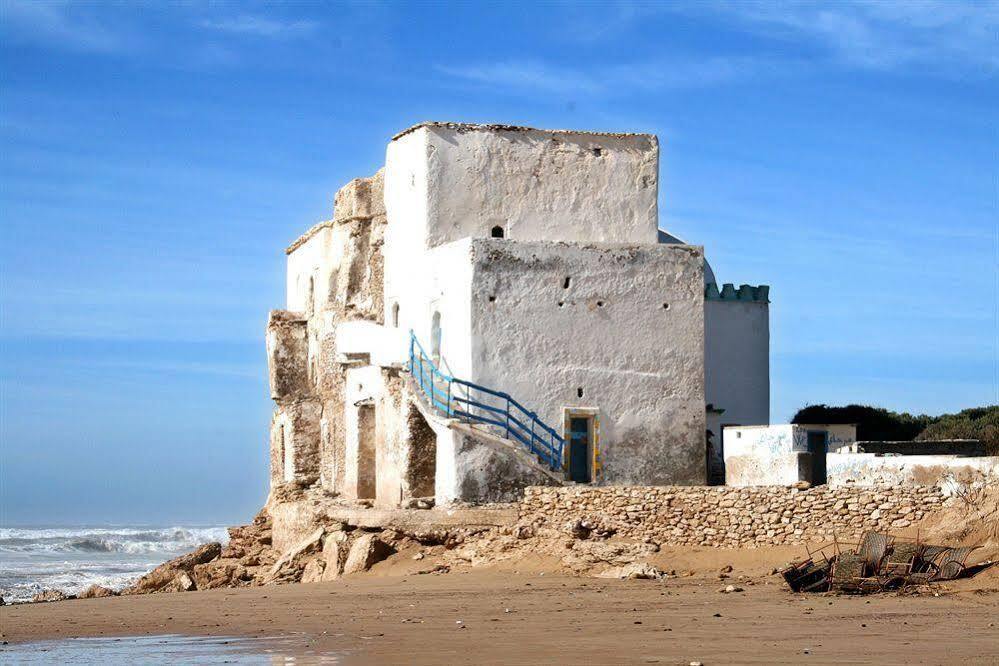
column 463, row 400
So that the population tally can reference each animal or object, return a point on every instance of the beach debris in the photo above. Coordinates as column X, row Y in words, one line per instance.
column 97, row 592
column 879, row 562
column 51, row 595
column 634, row 571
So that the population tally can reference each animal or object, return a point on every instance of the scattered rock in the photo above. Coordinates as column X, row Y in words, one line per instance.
column 580, row 529
column 165, row 575
column 289, row 567
column 50, row 595
column 524, row 532
column 184, row 582
column 729, row 589
column 97, row 592
column 313, row 572
column 334, row 554
column 367, row 550
column 423, row 503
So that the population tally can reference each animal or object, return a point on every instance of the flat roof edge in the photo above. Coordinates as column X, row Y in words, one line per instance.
column 495, row 127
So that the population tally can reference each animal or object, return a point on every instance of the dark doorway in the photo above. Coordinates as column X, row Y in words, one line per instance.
column 497, row 232
column 367, row 476
column 580, row 448
column 421, row 468
column 817, row 449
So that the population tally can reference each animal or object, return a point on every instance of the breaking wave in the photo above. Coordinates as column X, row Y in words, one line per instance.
column 106, row 540
column 72, row 559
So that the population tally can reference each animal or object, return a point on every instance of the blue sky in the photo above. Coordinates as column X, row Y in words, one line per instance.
column 156, row 158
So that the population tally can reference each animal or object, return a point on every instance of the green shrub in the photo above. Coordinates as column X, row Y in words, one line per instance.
column 981, row 423
column 873, row 423
column 879, row 424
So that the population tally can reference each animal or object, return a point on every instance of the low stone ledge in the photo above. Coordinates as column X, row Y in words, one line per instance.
column 729, row 516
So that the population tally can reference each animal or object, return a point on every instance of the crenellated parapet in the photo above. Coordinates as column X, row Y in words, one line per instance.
column 745, row 292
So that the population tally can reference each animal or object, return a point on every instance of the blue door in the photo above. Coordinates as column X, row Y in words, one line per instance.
column 579, row 449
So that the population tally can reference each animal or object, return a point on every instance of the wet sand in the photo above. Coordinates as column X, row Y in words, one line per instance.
column 493, row 617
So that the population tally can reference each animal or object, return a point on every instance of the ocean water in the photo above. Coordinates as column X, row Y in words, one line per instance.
column 72, row 559
column 168, row 650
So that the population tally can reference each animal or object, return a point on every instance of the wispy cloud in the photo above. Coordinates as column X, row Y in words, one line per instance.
column 63, row 25
column 525, row 75
column 259, row 26
column 623, row 79
column 874, row 34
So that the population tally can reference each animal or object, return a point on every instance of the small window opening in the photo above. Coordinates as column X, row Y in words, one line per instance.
column 597, row 152
column 579, row 392
column 492, row 299
column 566, row 282
column 497, row 232
column 665, row 306
column 600, row 304
column 561, row 304
column 395, row 315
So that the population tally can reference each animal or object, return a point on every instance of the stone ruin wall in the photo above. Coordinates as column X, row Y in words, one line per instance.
column 307, row 381
column 731, row 517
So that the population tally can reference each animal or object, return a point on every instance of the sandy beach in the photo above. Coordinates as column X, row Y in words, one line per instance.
column 527, row 616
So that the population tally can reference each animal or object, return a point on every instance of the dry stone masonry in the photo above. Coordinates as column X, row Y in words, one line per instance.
column 730, row 517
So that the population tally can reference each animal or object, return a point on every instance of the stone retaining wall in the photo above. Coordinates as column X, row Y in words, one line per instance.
column 731, row 517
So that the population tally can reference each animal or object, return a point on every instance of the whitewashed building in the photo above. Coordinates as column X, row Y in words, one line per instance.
column 496, row 308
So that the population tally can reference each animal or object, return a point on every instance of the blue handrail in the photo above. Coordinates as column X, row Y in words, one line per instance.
column 517, row 422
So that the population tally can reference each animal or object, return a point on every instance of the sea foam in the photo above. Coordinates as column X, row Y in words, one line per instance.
column 73, row 558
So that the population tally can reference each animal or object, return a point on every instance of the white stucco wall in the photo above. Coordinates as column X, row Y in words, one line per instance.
column 317, row 258
column 628, row 331
column 439, row 280
column 446, row 183
column 384, row 346
column 737, row 361
column 775, row 454
column 946, row 471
